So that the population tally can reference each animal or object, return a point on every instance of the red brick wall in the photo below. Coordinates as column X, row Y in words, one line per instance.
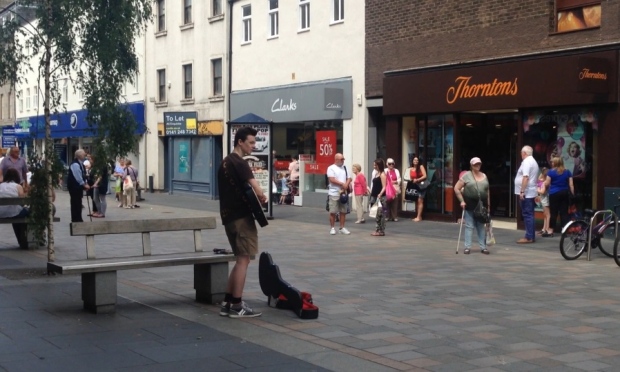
column 403, row 34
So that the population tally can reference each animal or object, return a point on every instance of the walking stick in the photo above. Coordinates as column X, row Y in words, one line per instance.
column 90, row 214
column 458, row 242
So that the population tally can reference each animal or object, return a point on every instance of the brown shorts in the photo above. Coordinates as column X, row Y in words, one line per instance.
column 335, row 206
column 243, row 236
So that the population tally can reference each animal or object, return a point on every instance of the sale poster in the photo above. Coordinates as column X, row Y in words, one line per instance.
column 325, row 146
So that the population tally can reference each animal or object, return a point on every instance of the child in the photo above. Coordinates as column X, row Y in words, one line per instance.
column 543, row 194
column 285, row 189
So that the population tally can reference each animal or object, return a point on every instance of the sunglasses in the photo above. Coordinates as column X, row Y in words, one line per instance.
column 390, row 163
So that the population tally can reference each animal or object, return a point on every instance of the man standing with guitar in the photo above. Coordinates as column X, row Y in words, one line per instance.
column 233, row 176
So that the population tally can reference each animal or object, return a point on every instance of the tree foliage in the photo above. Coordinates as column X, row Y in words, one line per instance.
column 91, row 42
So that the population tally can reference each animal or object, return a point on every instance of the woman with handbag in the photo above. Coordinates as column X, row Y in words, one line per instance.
column 417, row 175
column 472, row 190
column 394, row 180
column 377, row 197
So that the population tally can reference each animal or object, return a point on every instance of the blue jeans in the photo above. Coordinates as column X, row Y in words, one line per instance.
column 527, row 211
column 470, row 223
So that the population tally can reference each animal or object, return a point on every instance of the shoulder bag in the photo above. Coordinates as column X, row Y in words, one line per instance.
column 344, row 194
column 481, row 213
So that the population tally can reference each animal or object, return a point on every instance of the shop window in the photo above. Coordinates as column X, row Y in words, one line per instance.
column 574, row 15
column 436, row 143
column 337, row 11
column 161, row 15
column 246, row 20
column 304, row 15
column 187, row 11
column 217, row 76
column 274, row 20
column 192, row 157
column 35, row 97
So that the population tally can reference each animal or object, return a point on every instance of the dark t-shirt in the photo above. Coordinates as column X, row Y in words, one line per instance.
column 232, row 176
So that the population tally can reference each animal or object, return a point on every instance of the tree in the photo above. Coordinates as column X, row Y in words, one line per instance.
column 92, row 41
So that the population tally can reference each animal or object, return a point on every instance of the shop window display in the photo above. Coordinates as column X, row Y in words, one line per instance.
column 569, row 135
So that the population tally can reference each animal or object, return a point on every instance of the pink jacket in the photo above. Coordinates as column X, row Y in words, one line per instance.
column 359, row 184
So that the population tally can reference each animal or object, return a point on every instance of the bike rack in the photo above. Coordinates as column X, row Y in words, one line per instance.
column 592, row 225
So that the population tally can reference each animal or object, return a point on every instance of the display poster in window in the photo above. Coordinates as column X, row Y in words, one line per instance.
column 183, row 158
column 259, row 165
column 562, row 135
column 262, row 146
column 326, row 146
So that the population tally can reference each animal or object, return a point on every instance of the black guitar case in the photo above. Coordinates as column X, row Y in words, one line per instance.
column 283, row 295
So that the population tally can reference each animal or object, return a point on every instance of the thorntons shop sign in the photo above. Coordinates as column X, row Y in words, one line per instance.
column 326, row 100
column 543, row 82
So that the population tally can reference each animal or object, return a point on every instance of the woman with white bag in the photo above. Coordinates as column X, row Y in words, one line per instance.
column 377, row 197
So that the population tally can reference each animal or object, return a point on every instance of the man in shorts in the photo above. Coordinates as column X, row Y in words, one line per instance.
column 339, row 182
column 234, row 173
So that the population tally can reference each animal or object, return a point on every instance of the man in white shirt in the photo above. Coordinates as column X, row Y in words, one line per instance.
column 339, row 182
column 526, row 190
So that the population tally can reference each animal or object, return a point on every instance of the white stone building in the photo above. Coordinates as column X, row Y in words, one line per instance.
column 300, row 64
column 186, row 94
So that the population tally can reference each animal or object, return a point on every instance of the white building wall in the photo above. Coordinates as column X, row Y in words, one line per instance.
column 197, row 43
column 327, row 50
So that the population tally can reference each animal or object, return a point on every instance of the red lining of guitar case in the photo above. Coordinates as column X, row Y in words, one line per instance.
column 286, row 296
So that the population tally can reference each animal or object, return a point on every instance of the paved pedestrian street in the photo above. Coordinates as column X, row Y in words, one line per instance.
column 403, row 302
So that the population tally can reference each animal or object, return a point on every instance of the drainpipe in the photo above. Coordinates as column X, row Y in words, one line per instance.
column 229, row 82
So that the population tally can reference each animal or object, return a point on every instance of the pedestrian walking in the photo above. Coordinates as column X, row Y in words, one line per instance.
column 472, row 188
column 360, row 190
column 377, row 195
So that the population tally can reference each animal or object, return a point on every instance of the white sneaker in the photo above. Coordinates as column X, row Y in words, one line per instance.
column 332, row 231
column 345, row 231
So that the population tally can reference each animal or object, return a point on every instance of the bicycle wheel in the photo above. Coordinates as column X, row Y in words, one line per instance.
column 574, row 240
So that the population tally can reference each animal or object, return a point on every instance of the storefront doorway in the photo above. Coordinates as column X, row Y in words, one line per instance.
column 493, row 138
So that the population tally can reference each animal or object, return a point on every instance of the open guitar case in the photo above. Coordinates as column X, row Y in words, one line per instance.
column 281, row 293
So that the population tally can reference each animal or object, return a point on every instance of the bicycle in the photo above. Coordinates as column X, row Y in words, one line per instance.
column 574, row 239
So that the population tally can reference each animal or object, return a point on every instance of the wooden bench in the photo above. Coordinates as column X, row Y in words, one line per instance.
column 25, row 238
column 99, row 285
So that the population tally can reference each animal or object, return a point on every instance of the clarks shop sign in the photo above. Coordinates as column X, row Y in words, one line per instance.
column 326, row 100
column 568, row 80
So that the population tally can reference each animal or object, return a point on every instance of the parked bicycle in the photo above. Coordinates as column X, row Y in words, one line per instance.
column 574, row 239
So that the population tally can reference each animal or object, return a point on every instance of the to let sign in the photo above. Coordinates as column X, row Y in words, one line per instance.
column 325, row 146
column 180, row 123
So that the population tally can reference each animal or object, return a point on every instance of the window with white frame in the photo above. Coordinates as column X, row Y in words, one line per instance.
column 304, row 14
column 27, row 98
column 65, row 91
column 135, row 83
column 216, row 66
column 20, row 101
column 161, row 15
column 274, row 20
column 216, row 8
column 187, row 81
column 338, row 10
column 81, row 95
column 246, row 19
column 161, row 85
column 187, row 11
column 35, row 97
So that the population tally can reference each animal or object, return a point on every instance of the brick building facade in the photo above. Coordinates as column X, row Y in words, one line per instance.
column 449, row 80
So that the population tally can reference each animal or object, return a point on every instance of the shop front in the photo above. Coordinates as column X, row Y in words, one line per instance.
column 301, row 114
column 70, row 131
column 193, row 152
column 563, row 106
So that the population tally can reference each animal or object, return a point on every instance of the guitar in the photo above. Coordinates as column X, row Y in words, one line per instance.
column 255, row 206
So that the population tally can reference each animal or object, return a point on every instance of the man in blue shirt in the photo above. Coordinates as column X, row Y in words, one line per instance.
column 76, row 184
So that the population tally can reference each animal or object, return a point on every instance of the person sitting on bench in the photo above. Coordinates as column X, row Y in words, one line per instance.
column 10, row 188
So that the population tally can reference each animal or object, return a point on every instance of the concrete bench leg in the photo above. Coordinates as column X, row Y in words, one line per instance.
column 99, row 292
column 210, row 282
